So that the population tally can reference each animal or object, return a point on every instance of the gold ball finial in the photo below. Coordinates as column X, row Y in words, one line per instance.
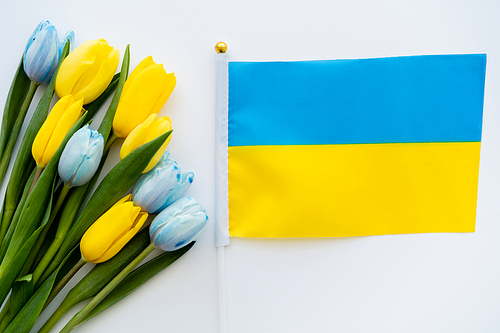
column 221, row 47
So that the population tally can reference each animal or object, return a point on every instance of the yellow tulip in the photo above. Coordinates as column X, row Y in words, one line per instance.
column 63, row 116
column 109, row 234
column 144, row 93
column 149, row 130
column 88, row 70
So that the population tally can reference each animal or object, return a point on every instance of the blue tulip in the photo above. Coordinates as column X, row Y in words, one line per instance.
column 70, row 35
column 178, row 224
column 43, row 51
column 81, row 157
column 161, row 186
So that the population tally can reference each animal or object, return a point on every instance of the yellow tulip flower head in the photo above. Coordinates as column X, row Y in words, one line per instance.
column 149, row 130
column 112, row 231
column 88, row 70
column 62, row 117
column 144, row 93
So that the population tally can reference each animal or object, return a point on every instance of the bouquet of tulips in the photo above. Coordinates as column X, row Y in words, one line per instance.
column 55, row 218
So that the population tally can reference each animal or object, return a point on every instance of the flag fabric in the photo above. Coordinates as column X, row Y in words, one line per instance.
column 358, row 147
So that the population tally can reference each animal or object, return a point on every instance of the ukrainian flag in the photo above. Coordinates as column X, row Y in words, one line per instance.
column 354, row 147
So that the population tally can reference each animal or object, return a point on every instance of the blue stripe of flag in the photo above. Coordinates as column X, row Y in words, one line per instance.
column 435, row 98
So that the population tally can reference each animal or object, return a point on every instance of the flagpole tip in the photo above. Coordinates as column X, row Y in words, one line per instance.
column 221, row 47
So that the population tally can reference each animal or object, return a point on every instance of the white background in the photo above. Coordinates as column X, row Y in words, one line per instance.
column 403, row 283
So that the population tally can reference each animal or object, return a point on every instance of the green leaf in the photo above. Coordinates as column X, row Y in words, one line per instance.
column 17, row 93
column 99, row 277
column 9, row 270
column 24, row 160
column 112, row 188
column 93, row 107
column 103, row 273
column 26, row 278
column 79, row 195
column 107, row 122
column 16, row 129
column 29, row 313
column 137, row 278
column 13, row 224
column 71, row 261
column 39, row 202
column 22, row 289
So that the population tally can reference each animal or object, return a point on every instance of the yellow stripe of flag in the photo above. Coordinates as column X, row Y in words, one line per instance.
column 352, row 190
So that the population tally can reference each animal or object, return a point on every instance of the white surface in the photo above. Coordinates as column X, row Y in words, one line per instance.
column 406, row 283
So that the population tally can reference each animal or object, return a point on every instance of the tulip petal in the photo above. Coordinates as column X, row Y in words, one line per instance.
column 38, row 28
column 124, row 239
column 74, row 66
column 137, row 137
column 105, row 231
column 42, row 54
column 87, row 70
column 160, row 187
column 64, row 124
column 69, row 35
column 148, row 61
column 73, row 154
column 168, row 88
column 158, row 127
column 180, row 231
column 102, row 78
column 137, row 104
column 91, row 161
column 153, row 190
column 44, row 134
column 186, row 181
column 126, row 198
column 81, row 156
column 178, row 224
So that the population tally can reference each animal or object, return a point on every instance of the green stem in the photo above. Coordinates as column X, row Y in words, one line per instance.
column 5, row 311
column 47, row 265
column 80, row 316
column 64, row 281
column 7, row 153
column 36, row 248
column 67, row 216
column 11, row 215
column 53, row 320
column 38, row 172
column 110, row 142
column 6, row 319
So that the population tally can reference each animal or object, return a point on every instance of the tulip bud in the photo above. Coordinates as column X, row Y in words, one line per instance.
column 42, row 52
column 70, row 35
column 63, row 116
column 87, row 71
column 111, row 232
column 144, row 93
column 178, row 224
column 149, row 130
column 161, row 186
column 81, row 157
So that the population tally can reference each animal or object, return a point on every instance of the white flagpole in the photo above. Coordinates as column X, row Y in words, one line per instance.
column 221, row 190
column 222, row 289
column 221, row 144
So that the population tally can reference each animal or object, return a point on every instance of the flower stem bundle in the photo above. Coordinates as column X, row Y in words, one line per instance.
column 52, row 222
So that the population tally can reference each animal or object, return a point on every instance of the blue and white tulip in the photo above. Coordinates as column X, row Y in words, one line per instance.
column 81, row 157
column 178, row 224
column 70, row 35
column 43, row 51
column 161, row 186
